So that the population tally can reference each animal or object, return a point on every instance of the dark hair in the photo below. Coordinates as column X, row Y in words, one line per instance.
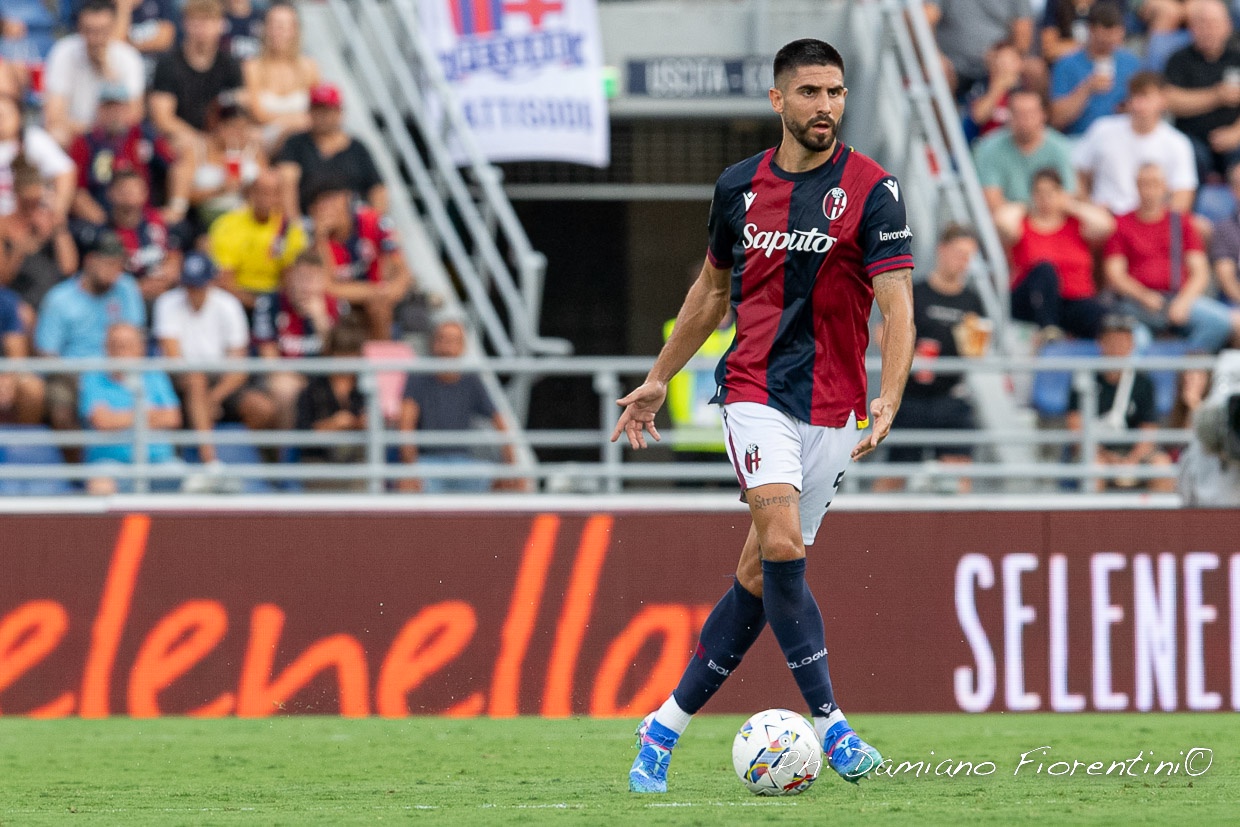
column 1047, row 174
column 955, row 231
column 806, row 52
column 1105, row 14
column 308, row 258
column 24, row 173
column 1043, row 100
column 328, row 181
column 1144, row 81
column 93, row 6
column 346, row 338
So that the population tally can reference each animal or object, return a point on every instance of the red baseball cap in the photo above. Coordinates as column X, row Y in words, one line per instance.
column 325, row 94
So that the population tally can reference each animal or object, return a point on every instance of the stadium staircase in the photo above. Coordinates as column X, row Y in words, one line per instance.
column 904, row 109
column 460, row 234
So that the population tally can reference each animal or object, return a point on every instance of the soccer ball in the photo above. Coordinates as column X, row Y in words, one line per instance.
column 776, row 752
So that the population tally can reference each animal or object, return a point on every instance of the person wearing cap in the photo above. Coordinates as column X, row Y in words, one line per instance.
column 79, row 65
column 38, row 150
column 199, row 321
column 106, row 403
column 118, row 141
column 254, row 243
column 75, row 315
column 1092, row 82
column 360, row 245
column 1125, row 400
column 327, row 148
column 192, row 76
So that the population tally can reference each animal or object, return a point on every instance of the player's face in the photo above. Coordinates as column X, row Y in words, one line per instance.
column 810, row 100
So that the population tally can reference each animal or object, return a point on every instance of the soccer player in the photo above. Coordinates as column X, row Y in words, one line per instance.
column 802, row 239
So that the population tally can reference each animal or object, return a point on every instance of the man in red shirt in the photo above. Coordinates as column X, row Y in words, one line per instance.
column 1160, row 270
column 361, row 247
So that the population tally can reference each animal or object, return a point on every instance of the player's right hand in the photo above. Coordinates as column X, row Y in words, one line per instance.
column 637, row 418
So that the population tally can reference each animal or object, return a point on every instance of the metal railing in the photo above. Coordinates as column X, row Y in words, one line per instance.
column 616, row 469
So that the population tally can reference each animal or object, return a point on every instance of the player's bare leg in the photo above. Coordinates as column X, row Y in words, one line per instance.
column 795, row 619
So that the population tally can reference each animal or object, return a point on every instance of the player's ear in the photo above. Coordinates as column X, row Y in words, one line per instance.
column 777, row 99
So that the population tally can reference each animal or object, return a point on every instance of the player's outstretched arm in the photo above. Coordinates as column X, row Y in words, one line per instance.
column 894, row 292
column 703, row 309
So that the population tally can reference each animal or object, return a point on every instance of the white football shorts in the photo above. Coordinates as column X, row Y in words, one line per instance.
column 767, row 446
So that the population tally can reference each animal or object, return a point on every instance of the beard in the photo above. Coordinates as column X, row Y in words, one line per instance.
column 813, row 141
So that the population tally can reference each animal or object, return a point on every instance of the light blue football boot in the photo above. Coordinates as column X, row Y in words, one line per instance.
column 654, row 754
column 848, row 755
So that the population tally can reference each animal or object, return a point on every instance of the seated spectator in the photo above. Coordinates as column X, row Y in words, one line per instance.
column 106, row 403
column 230, row 161
column 449, row 401
column 987, row 106
column 38, row 150
column 118, row 142
column 243, row 30
column 153, row 248
column 1191, row 389
column 965, row 29
column 370, row 273
column 1125, row 403
column 80, row 64
column 1203, row 89
column 201, row 322
column 75, row 315
column 334, row 403
column 1007, row 159
column 252, row 245
column 328, row 150
column 1091, row 83
column 293, row 324
column 36, row 250
column 1065, row 28
column 1225, row 249
column 1160, row 271
column 1112, row 150
column 1051, row 245
column 150, row 26
column 189, row 78
column 944, row 308
column 279, row 79
column 22, row 395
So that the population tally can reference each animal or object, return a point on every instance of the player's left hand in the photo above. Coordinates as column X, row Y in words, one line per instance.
column 882, row 412
column 640, row 407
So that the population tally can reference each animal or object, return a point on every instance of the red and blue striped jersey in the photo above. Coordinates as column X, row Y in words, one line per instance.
column 803, row 248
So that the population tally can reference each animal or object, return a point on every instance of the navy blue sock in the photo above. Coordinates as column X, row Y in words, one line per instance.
column 794, row 617
column 730, row 629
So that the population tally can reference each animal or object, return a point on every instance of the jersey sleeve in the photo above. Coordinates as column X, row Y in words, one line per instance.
column 885, row 237
column 720, row 232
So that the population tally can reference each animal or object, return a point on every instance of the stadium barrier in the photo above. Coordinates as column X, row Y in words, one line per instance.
column 615, row 469
column 577, row 611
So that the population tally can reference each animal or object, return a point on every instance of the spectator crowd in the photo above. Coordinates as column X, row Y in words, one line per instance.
column 176, row 180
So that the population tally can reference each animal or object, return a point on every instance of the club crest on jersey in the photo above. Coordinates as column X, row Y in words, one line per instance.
column 834, row 203
column 752, row 459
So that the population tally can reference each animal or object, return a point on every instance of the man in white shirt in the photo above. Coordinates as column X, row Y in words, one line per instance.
column 79, row 64
column 201, row 321
column 1112, row 150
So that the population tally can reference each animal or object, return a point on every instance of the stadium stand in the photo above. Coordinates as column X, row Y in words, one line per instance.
column 458, row 232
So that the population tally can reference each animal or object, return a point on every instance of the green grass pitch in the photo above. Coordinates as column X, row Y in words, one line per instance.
column 309, row 770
